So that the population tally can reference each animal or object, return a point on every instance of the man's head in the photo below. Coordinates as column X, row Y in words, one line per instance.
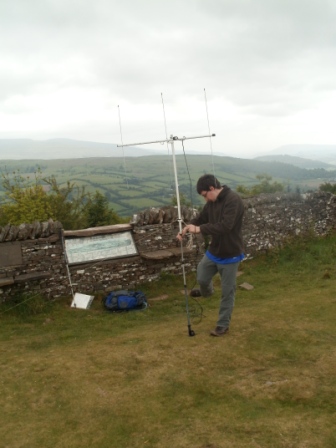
column 209, row 187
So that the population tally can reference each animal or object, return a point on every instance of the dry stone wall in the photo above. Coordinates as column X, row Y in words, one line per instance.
column 270, row 220
column 32, row 256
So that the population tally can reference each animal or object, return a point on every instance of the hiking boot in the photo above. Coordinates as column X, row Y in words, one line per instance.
column 195, row 293
column 219, row 331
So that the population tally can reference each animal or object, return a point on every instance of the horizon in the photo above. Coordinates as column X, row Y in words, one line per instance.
column 32, row 149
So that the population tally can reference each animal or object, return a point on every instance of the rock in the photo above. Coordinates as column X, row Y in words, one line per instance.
column 246, row 286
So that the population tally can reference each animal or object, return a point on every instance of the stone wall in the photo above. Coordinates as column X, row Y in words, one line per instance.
column 32, row 256
column 31, row 259
column 270, row 220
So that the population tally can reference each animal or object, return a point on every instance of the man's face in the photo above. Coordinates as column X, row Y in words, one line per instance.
column 209, row 195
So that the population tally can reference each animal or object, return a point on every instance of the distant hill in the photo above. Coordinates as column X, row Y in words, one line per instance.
column 324, row 153
column 137, row 178
column 62, row 148
column 300, row 162
column 135, row 183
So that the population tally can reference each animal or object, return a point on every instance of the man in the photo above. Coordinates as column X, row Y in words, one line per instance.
column 221, row 218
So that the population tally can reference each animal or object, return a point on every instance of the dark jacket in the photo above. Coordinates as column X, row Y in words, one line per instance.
column 223, row 220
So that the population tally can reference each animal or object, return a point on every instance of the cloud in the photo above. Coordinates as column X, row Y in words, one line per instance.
column 64, row 63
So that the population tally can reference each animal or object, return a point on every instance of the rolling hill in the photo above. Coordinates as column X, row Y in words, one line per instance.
column 135, row 183
column 323, row 153
column 62, row 148
column 300, row 162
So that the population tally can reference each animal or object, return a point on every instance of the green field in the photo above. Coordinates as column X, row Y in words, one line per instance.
column 140, row 182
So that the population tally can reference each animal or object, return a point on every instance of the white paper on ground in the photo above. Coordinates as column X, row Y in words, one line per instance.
column 82, row 301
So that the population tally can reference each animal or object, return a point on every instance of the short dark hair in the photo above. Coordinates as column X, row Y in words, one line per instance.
column 205, row 182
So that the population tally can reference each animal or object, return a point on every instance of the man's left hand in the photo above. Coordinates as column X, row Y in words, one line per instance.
column 190, row 228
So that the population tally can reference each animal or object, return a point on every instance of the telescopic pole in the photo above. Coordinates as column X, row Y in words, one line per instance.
column 179, row 218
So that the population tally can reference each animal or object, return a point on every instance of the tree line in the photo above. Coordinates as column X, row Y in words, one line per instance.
column 37, row 198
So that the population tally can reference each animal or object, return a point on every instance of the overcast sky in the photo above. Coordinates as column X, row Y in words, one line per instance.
column 258, row 73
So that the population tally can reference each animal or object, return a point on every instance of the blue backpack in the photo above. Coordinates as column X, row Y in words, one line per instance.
column 123, row 300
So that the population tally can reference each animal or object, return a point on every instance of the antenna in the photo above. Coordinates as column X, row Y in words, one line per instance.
column 171, row 141
column 165, row 123
column 121, row 138
column 206, row 108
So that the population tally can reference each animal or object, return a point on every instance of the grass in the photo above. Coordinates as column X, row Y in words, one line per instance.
column 87, row 378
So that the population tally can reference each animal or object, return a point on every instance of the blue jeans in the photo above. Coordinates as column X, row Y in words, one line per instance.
column 206, row 270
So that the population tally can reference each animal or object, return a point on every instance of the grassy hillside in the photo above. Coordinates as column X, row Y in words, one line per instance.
column 86, row 378
column 135, row 183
